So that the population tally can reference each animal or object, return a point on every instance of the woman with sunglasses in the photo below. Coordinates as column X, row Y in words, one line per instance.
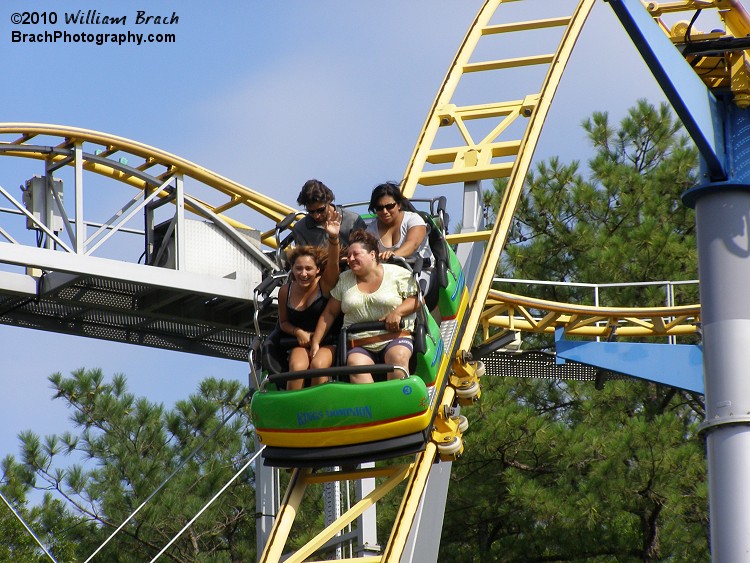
column 399, row 232
column 371, row 291
column 303, row 299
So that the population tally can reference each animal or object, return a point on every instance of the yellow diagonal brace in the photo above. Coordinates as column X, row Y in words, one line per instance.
column 524, row 26
column 444, row 95
column 350, row 515
column 285, row 518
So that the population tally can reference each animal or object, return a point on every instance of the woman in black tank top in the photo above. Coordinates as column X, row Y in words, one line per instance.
column 302, row 300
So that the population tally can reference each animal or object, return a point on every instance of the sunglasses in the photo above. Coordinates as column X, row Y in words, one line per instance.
column 317, row 211
column 387, row 206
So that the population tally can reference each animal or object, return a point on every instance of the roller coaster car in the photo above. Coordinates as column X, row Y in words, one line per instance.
column 340, row 423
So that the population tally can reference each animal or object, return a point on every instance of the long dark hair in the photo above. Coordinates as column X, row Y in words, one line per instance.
column 387, row 188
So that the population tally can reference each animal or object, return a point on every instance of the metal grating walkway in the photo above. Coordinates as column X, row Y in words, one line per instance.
column 137, row 314
column 542, row 365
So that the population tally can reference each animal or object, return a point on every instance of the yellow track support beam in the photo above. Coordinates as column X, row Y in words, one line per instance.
column 301, row 479
column 476, row 160
column 718, row 69
column 101, row 146
column 472, row 161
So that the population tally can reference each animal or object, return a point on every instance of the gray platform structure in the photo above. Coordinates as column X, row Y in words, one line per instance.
column 162, row 268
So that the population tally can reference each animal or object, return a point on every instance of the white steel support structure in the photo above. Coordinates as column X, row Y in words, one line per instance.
column 367, row 533
column 90, row 269
column 267, row 498
column 80, row 235
column 180, row 255
column 724, row 265
column 472, row 221
column 332, row 498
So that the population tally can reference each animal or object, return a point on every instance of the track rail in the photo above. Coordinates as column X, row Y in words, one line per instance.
column 452, row 148
column 133, row 163
column 527, row 314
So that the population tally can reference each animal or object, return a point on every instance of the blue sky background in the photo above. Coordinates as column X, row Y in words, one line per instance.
column 267, row 93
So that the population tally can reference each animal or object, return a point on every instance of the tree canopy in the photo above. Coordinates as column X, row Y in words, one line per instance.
column 126, row 448
column 624, row 223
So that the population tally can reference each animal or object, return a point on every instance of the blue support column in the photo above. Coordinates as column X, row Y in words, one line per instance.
column 694, row 103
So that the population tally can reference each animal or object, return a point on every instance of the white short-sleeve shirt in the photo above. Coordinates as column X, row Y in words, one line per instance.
column 410, row 220
column 359, row 307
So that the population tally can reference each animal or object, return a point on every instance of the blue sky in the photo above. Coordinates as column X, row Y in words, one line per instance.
column 267, row 93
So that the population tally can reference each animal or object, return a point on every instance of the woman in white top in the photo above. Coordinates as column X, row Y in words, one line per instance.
column 399, row 232
column 371, row 291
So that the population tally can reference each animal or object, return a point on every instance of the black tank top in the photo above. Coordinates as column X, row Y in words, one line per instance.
column 307, row 319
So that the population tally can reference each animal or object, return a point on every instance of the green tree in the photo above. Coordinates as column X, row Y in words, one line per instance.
column 55, row 528
column 558, row 470
column 126, row 448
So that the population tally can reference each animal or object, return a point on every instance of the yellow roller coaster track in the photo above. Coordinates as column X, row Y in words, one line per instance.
column 526, row 314
column 487, row 156
column 127, row 161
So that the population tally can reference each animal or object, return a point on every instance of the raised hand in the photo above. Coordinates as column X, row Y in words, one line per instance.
column 333, row 225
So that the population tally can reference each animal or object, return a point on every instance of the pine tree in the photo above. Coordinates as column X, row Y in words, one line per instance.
column 126, row 449
column 624, row 223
